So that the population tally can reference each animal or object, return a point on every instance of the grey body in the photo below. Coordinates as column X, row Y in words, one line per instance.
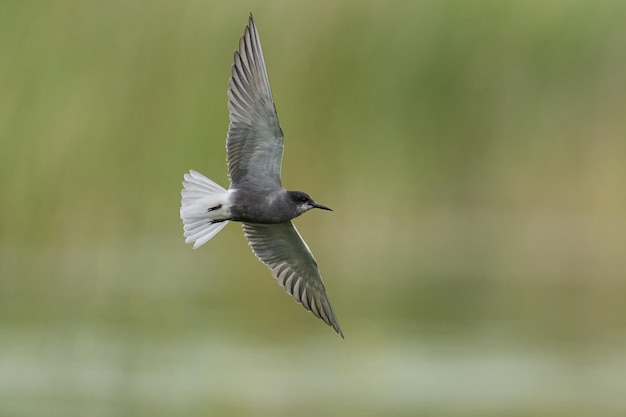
column 266, row 205
column 256, row 198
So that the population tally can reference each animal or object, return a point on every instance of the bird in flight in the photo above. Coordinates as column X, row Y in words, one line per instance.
column 256, row 198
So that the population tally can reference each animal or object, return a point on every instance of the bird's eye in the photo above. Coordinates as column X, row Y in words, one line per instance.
column 303, row 199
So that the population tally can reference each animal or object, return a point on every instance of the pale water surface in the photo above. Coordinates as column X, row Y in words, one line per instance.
column 79, row 370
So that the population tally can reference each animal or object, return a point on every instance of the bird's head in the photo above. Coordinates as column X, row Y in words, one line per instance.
column 304, row 202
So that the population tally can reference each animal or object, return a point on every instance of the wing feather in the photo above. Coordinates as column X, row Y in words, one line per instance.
column 254, row 144
column 281, row 248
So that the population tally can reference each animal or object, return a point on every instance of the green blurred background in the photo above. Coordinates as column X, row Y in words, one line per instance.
column 474, row 153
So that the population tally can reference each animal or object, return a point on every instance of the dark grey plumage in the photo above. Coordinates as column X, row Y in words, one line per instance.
column 255, row 140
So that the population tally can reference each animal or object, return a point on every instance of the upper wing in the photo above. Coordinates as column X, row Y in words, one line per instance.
column 255, row 140
column 281, row 248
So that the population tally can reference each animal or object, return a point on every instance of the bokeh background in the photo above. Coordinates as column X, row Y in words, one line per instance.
column 474, row 153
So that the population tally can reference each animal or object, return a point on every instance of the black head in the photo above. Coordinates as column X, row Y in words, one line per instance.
column 304, row 202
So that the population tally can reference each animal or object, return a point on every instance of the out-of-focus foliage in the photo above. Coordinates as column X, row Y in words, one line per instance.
column 474, row 153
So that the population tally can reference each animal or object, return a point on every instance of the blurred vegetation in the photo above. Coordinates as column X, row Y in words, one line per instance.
column 474, row 154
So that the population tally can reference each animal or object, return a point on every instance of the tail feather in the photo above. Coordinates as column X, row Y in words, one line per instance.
column 204, row 234
column 204, row 208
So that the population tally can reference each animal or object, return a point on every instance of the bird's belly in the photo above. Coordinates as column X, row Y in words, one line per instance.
column 255, row 215
column 265, row 209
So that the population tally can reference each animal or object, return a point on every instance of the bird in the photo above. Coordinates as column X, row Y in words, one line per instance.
column 256, row 197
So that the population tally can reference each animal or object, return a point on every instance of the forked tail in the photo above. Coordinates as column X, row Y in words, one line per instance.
column 205, row 208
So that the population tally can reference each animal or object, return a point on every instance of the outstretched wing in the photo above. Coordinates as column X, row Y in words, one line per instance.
column 255, row 140
column 281, row 248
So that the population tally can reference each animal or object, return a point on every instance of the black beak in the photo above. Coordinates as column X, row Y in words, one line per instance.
column 319, row 206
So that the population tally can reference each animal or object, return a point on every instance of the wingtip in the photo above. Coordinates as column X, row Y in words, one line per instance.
column 338, row 330
column 327, row 315
column 250, row 22
column 335, row 325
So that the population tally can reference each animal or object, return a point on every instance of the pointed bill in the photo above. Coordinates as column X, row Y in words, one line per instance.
column 281, row 248
column 255, row 140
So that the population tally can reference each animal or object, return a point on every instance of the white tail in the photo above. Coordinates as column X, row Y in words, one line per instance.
column 205, row 208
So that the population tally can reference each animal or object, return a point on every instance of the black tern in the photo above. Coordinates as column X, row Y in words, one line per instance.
column 256, row 198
